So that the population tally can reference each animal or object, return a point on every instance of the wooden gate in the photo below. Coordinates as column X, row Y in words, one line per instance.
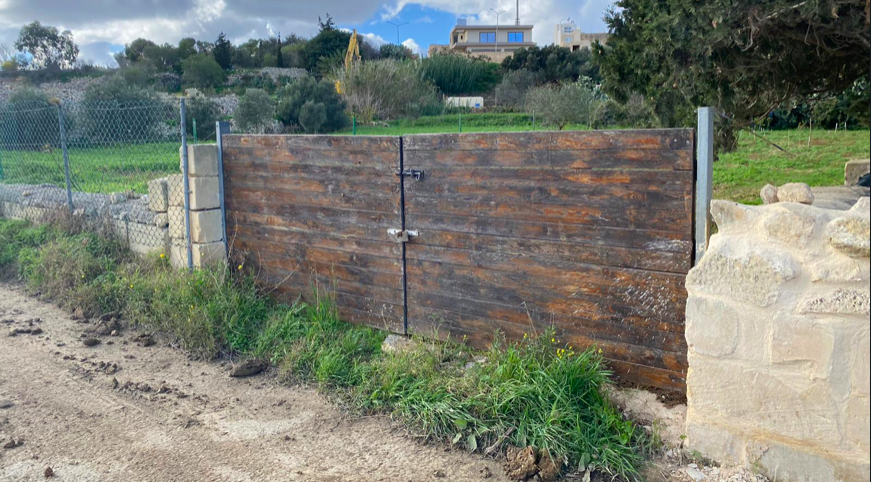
column 312, row 212
column 586, row 232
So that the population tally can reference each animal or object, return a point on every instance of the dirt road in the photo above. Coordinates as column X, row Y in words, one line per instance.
column 120, row 411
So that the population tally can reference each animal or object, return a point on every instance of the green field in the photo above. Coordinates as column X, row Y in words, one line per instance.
column 97, row 169
column 738, row 175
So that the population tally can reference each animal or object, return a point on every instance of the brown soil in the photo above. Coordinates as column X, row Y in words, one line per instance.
column 119, row 410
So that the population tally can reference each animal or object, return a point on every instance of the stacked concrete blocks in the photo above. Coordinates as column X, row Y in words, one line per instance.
column 206, row 231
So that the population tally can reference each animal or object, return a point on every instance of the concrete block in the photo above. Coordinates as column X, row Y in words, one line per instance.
column 178, row 255
column 208, row 253
column 158, row 195
column 161, row 220
column 204, row 193
column 175, row 190
column 202, row 160
column 176, row 221
column 206, row 226
column 854, row 169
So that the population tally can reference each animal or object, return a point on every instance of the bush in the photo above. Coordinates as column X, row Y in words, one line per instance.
column 513, row 88
column 563, row 104
column 137, row 74
column 115, row 110
column 387, row 89
column 255, row 112
column 202, row 72
column 634, row 113
column 206, row 113
column 295, row 95
column 169, row 82
column 456, row 74
column 554, row 63
column 29, row 120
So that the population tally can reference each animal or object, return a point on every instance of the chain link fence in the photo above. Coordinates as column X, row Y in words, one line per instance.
column 114, row 163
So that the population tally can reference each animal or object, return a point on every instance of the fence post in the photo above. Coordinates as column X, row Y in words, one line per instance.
column 704, row 180
column 221, row 128
column 187, row 191
column 63, row 144
column 195, row 131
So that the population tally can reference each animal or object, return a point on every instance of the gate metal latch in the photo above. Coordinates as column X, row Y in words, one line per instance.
column 402, row 235
column 417, row 175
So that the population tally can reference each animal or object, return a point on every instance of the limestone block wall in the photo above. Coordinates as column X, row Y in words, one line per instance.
column 206, row 227
column 778, row 332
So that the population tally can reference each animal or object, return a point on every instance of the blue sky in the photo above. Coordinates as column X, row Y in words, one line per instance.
column 102, row 27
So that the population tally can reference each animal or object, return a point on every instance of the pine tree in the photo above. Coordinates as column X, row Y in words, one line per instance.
column 222, row 52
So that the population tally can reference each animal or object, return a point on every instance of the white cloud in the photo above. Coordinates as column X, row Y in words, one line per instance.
column 413, row 46
column 374, row 39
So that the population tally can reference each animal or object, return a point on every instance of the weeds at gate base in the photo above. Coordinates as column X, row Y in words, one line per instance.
column 533, row 393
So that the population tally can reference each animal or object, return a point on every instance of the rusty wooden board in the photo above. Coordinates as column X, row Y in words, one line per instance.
column 312, row 214
column 586, row 232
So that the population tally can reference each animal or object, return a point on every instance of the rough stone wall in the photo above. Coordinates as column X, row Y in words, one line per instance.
column 778, row 333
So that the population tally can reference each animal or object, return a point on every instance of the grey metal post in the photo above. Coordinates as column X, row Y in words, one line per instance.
column 704, row 180
column 187, row 191
column 221, row 128
column 63, row 145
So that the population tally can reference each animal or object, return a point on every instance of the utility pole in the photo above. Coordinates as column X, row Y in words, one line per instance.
column 397, row 25
column 497, row 12
column 517, row 19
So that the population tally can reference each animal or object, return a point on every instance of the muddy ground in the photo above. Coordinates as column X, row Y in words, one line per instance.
column 126, row 409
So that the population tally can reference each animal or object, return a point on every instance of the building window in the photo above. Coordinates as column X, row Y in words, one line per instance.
column 568, row 40
column 568, row 30
column 487, row 37
column 515, row 37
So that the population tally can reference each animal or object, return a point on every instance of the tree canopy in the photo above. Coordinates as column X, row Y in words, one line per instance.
column 745, row 58
column 49, row 47
column 553, row 63
column 223, row 52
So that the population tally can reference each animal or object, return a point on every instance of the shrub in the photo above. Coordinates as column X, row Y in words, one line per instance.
column 137, row 74
column 456, row 74
column 563, row 104
column 206, row 112
column 202, row 72
column 634, row 113
column 10, row 65
column 169, row 82
column 114, row 110
column 29, row 120
column 513, row 88
column 295, row 95
column 255, row 112
column 387, row 89
column 554, row 63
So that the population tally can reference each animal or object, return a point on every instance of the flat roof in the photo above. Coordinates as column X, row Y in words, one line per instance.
column 500, row 27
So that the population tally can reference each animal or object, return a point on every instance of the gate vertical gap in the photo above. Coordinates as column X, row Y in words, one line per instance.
column 402, row 222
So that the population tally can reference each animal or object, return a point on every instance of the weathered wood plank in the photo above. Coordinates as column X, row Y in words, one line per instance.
column 531, row 158
column 656, row 139
column 579, row 252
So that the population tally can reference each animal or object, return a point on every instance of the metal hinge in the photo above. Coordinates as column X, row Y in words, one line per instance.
column 402, row 235
column 417, row 175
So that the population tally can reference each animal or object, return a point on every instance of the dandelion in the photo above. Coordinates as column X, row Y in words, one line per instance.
column 553, row 340
column 131, row 287
column 162, row 255
column 525, row 336
column 240, row 267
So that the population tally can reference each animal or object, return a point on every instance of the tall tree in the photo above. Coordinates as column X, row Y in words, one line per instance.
column 49, row 48
column 279, row 60
column 745, row 58
column 223, row 52
column 326, row 25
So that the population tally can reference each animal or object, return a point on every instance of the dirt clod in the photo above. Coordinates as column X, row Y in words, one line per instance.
column 144, row 340
column 48, row 473
column 548, row 468
column 12, row 443
column 439, row 474
column 248, row 368
column 6, row 404
column 90, row 341
column 520, row 464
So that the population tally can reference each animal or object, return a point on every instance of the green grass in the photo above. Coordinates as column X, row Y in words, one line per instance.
column 97, row 169
column 536, row 392
column 740, row 175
